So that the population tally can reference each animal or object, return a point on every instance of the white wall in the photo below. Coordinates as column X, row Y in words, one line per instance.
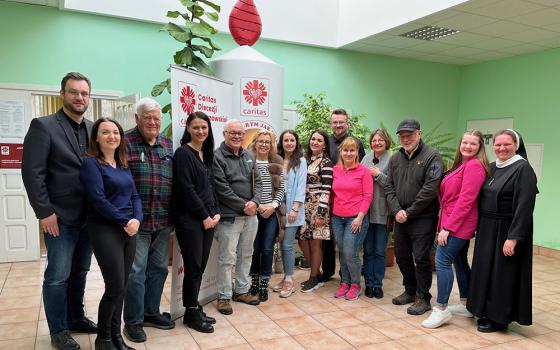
column 327, row 23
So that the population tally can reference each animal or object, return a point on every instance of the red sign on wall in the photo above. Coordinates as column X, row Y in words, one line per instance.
column 11, row 155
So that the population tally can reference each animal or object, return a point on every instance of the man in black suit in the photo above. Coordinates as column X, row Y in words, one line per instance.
column 53, row 151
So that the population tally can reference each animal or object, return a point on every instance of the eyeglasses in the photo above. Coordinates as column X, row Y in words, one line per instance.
column 148, row 118
column 75, row 93
column 235, row 133
column 263, row 143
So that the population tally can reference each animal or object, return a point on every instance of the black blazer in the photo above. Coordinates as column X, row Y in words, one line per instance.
column 51, row 168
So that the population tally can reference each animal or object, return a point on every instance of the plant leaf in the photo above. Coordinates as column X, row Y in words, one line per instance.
column 177, row 32
column 213, row 16
column 204, row 50
column 211, row 4
column 173, row 14
column 197, row 11
column 184, row 57
column 208, row 26
column 213, row 45
column 200, row 30
column 187, row 3
column 201, row 66
column 158, row 88
column 166, row 108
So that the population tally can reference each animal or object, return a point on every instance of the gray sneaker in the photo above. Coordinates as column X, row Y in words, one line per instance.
column 419, row 307
column 404, row 299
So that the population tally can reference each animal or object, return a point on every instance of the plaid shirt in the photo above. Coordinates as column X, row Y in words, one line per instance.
column 151, row 167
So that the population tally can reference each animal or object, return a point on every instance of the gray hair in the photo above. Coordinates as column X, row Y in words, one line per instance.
column 230, row 122
column 146, row 104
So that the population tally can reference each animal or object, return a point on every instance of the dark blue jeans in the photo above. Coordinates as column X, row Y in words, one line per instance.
column 68, row 262
column 147, row 277
column 349, row 245
column 263, row 247
column 455, row 252
column 375, row 251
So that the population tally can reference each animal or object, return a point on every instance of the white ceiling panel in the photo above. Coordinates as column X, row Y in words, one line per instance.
column 500, row 28
column 507, row 8
column 532, row 35
column 464, row 21
column 539, row 18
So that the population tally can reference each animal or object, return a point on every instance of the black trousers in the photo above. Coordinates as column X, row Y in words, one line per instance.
column 195, row 244
column 413, row 241
column 329, row 260
column 114, row 250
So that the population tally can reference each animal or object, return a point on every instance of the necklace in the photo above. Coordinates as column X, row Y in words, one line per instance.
column 192, row 145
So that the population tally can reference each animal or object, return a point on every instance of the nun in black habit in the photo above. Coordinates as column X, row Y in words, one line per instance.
column 500, row 288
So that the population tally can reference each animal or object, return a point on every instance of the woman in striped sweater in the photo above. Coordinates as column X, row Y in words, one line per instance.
column 271, row 212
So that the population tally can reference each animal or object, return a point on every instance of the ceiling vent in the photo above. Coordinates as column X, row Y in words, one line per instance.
column 429, row 33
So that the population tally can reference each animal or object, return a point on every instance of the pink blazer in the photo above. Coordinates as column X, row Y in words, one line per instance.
column 458, row 194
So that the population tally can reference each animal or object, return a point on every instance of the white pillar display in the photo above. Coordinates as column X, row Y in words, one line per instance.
column 258, row 88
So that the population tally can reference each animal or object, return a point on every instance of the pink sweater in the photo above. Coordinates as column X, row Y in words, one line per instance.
column 458, row 196
column 352, row 189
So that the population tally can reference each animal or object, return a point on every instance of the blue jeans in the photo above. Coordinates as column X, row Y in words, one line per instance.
column 235, row 238
column 68, row 262
column 147, row 277
column 263, row 247
column 455, row 252
column 349, row 244
column 288, row 257
column 375, row 251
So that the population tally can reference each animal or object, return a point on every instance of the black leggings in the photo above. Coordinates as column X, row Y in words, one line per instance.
column 114, row 250
column 195, row 244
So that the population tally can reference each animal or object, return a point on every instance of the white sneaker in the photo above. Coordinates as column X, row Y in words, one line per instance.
column 437, row 318
column 459, row 310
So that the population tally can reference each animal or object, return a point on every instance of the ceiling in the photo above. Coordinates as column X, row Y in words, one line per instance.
column 489, row 30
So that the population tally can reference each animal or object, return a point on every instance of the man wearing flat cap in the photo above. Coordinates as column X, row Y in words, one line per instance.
column 414, row 174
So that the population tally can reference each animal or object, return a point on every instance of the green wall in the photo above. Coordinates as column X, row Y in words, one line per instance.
column 525, row 88
column 40, row 44
column 131, row 56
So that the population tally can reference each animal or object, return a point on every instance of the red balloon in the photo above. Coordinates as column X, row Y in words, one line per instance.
column 245, row 23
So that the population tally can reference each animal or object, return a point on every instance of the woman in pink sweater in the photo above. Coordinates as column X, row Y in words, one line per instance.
column 352, row 194
column 458, row 195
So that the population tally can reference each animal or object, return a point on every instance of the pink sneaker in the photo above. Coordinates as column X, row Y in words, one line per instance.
column 353, row 293
column 342, row 291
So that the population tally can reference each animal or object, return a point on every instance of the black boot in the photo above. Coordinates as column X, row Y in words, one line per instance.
column 104, row 344
column 254, row 289
column 195, row 321
column 263, row 293
column 205, row 317
column 119, row 343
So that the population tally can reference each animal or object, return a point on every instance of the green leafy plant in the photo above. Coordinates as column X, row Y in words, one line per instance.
column 439, row 141
column 315, row 113
column 195, row 36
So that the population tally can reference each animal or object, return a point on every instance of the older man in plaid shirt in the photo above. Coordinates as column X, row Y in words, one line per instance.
column 149, row 158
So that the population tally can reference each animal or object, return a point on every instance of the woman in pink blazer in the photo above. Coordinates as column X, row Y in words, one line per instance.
column 458, row 194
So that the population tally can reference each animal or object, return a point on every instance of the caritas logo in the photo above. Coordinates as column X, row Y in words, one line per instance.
column 254, row 97
column 188, row 102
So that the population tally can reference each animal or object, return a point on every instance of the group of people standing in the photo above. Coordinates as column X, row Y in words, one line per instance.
column 96, row 188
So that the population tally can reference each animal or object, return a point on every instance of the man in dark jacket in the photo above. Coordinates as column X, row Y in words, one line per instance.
column 238, row 185
column 53, row 151
column 414, row 174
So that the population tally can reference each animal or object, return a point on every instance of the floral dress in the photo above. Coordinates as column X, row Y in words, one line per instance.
column 317, row 193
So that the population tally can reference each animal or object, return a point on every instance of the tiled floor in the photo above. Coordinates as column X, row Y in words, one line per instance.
column 304, row 321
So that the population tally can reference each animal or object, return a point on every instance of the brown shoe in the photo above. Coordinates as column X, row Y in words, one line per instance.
column 247, row 298
column 224, row 307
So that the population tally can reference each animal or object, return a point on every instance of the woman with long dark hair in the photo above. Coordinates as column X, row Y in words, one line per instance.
column 196, row 208
column 114, row 216
column 295, row 170
column 270, row 213
column 317, row 203
column 501, row 279
column 458, row 198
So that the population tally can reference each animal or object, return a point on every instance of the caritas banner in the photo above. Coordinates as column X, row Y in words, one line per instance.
column 258, row 89
column 190, row 92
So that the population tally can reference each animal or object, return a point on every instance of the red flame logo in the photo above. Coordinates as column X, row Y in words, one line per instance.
column 187, row 99
column 245, row 23
column 255, row 92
